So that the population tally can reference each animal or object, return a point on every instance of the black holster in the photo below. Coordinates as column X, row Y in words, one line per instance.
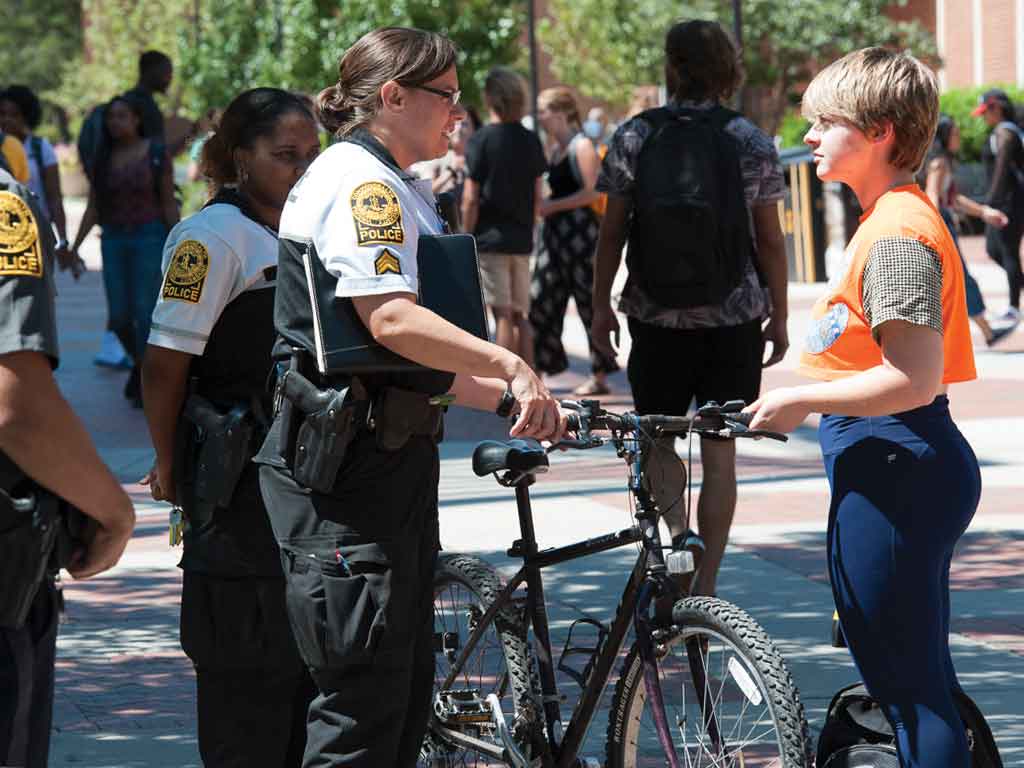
column 214, row 448
column 317, row 428
column 29, row 517
column 399, row 414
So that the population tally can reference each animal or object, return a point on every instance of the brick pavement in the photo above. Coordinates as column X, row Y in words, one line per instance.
column 125, row 691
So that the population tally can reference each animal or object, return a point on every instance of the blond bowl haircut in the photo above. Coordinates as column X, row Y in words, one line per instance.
column 874, row 86
column 505, row 93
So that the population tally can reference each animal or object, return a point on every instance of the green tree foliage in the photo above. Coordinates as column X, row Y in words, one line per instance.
column 236, row 44
column 606, row 47
column 116, row 32
column 35, row 37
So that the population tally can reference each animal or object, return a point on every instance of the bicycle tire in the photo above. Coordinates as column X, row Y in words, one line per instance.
column 711, row 625
column 464, row 587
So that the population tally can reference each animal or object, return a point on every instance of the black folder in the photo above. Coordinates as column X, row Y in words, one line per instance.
column 449, row 284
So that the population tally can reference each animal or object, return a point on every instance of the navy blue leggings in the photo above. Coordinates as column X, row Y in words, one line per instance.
column 904, row 489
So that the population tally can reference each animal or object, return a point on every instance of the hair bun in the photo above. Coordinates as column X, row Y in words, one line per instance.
column 333, row 108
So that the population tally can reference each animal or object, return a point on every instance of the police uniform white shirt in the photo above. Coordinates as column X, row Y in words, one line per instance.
column 210, row 259
column 363, row 218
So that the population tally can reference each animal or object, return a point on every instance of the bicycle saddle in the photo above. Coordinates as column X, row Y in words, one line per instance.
column 527, row 456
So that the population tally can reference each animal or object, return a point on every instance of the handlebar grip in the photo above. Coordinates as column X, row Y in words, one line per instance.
column 742, row 418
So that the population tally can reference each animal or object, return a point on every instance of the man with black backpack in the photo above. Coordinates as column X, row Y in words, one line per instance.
column 694, row 188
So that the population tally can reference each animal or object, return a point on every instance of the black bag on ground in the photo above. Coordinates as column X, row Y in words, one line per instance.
column 858, row 735
column 690, row 239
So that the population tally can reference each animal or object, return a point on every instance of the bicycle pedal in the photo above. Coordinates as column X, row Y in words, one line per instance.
column 462, row 707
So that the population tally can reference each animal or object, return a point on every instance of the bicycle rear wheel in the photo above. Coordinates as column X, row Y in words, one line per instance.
column 464, row 587
column 729, row 698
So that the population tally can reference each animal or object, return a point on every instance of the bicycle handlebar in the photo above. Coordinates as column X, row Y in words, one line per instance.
column 713, row 420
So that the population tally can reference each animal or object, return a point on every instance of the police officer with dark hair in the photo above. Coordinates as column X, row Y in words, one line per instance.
column 48, row 465
column 352, row 462
column 206, row 401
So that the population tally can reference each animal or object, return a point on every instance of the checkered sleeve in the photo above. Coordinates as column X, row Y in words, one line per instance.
column 618, row 170
column 902, row 281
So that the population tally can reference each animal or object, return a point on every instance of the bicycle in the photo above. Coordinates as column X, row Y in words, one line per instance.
column 706, row 687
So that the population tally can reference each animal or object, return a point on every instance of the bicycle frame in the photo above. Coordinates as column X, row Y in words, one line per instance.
column 646, row 579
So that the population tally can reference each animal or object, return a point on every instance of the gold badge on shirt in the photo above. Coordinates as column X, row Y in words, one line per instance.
column 20, row 253
column 387, row 264
column 186, row 273
column 377, row 214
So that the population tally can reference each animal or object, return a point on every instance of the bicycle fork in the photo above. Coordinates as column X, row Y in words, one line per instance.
column 652, row 684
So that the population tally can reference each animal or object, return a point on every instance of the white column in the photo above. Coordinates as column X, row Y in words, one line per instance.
column 1019, row 27
column 977, row 43
column 940, row 39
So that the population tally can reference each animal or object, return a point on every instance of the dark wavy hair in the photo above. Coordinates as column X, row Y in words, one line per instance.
column 408, row 56
column 251, row 115
column 106, row 148
column 25, row 99
column 701, row 62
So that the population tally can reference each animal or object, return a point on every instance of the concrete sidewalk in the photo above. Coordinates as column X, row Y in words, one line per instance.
column 125, row 693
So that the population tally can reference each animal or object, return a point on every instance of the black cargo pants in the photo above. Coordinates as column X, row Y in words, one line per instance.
column 27, row 657
column 359, row 562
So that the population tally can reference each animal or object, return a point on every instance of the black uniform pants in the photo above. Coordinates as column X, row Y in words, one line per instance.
column 359, row 562
column 252, row 689
column 27, row 656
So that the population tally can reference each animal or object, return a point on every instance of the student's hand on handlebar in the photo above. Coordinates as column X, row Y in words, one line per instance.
column 604, row 327
column 539, row 415
column 780, row 410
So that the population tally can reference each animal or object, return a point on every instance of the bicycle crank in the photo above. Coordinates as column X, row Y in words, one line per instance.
column 512, row 753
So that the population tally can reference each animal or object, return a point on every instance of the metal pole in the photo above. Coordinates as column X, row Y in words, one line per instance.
column 737, row 32
column 532, row 33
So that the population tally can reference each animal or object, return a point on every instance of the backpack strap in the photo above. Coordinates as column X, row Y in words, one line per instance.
column 35, row 148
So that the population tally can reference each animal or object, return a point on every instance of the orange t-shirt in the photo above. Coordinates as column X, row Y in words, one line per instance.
column 901, row 264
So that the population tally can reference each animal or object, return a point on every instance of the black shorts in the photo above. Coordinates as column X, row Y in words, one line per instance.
column 668, row 368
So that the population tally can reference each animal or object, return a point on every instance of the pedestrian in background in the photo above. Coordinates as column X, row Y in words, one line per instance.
column 937, row 179
column 209, row 351
column 699, row 314
column 1003, row 157
column 565, row 260
column 501, row 198
column 20, row 114
column 131, row 197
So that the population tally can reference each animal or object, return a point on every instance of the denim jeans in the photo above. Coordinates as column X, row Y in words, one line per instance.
column 131, row 276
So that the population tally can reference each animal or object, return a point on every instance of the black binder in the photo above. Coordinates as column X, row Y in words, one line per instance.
column 449, row 282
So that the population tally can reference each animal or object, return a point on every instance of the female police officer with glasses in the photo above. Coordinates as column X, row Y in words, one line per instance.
column 208, row 359
column 359, row 536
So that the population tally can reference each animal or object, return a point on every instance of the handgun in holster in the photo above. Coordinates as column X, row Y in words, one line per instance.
column 219, row 445
column 324, row 422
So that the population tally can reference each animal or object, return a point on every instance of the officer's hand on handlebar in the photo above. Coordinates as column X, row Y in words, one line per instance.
column 538, row 415
column 780, row 410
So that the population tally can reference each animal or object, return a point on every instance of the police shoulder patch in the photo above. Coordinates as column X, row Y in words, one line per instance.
column 20, row 252
column 186, row 273
column 387, row 264
column 377, row 214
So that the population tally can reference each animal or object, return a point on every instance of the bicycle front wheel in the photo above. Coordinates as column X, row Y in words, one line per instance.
column 729, row 698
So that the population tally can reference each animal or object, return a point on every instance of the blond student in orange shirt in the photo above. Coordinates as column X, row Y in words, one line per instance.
column 887, row 338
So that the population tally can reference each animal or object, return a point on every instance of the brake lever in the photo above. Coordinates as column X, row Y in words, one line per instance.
column 581, row 445
column 757, row 434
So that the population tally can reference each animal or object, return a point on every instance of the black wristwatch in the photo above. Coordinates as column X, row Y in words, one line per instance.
column 506, row 404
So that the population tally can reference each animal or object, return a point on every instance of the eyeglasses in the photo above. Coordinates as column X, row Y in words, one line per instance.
column 452, row 96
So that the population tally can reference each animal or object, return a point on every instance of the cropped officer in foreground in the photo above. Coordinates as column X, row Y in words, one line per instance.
column 50, row 474
column 207, row 404
column 351, row 461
